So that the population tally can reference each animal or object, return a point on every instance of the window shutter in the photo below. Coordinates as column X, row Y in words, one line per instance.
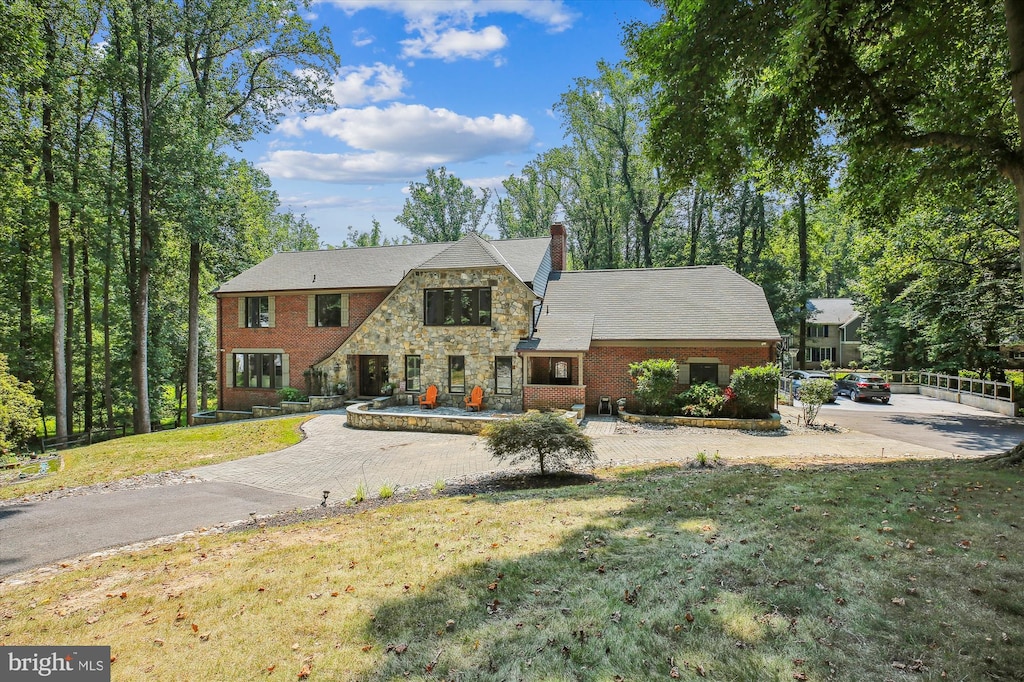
column 684, row 374
column 344, row 310
column 270, row 311
column 229, row 369
column 285, row 371
column 241, row 311
column 311, row 310
column 723, row 375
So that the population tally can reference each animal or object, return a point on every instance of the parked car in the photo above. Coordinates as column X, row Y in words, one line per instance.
column 864, row 386
column 800, row 375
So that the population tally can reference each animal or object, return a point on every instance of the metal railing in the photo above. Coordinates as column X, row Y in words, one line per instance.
column 85, row 438
column 998, row 390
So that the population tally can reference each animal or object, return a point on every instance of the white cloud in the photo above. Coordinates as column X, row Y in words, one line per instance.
column 355, row 85
column 361, row 37
column 453, row 44
column 552, row 13
column 491, row 183
column 342, row 168
column 419, row 131
column 443, row 29
column 396, row 143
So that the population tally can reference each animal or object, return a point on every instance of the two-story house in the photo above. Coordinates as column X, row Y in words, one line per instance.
column 502, row 315
column 833, row 332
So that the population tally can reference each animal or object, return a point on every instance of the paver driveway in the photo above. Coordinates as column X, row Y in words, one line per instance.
column 337, row 458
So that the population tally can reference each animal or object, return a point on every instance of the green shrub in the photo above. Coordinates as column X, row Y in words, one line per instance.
column 19, row 410
column 826, row 365
column 289, row 394
column 702, row 400
column 543, row 437
column 813, row 394
column 655, row 381
column 387, row 489
column 756, row 389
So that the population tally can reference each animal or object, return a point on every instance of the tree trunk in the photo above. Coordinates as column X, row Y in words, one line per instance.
column 70, row 334
column 24, row 362
column 742, row 230
column 801, row 232
column 192, row 361
column 1014, row 11
column 56, row 257
column 696, row 213
column 87, row 323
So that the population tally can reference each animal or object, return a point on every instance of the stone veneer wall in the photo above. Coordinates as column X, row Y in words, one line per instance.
column 775, row 422
column 361, row 418
column 396, row 329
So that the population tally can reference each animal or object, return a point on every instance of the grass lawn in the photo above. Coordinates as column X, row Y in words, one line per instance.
column 163, row 451
column 891, row 572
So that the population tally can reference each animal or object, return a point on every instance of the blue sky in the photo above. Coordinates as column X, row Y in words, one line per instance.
column 467, row 84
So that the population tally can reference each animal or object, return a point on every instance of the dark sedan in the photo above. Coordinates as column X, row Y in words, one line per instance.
column 799, row 376
column 864, row 387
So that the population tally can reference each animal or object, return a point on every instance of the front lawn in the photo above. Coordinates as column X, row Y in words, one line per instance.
column 905, row 572
column 162, row 451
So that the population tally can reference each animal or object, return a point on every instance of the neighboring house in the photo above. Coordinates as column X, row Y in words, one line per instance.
column 496, row 314
column 833, row 333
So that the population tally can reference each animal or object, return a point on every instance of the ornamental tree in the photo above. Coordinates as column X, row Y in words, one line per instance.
column 543, row 437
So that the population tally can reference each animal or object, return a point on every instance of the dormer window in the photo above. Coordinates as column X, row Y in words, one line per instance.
column 457, row 307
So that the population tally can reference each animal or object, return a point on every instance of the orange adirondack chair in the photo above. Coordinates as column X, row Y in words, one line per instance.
column 475, row 401
column 429, row 399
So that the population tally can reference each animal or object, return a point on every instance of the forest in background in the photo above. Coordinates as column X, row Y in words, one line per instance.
column 122, row 204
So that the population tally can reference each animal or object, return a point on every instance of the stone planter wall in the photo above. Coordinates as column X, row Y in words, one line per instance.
column 259, row 411
column 359, row 417
column 770, row 424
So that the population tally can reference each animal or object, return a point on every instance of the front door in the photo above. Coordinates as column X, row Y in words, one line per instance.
column 373, row 373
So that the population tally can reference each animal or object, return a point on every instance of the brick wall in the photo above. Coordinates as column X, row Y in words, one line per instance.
column 292, row 334
column 606, row 368
column 538, row 397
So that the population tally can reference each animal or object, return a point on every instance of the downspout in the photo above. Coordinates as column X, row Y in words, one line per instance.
column 220, row 352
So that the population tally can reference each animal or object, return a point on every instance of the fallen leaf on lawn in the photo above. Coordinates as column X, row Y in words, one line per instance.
column 158, row 642
column 205, row 637
column 334, row 594
column 349, row 588
column 493, row 586
column 964, row 544
column 799, row 676
column 689, row 617
column 674, row 672
column 91, row 619
column 305, row 671
column 899, row 601
column 123, row 595
column 271, row 668
column 195, row 628
column 367, row 647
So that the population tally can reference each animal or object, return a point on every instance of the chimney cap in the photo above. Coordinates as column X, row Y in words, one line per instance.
column 557, row 229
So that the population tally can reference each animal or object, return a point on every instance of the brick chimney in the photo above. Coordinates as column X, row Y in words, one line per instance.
column 557, row 246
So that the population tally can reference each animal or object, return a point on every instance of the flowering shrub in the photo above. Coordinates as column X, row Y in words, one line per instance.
column 702, row 400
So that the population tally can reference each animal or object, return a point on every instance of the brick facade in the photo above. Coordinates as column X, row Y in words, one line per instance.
column 291, row 335
column 606, row 367
column 539, row 397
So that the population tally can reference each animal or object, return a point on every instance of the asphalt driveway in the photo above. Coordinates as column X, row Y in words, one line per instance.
column 938, row 424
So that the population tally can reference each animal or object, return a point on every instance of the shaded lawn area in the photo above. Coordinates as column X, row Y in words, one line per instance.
column 163, row 451
column 905, row 571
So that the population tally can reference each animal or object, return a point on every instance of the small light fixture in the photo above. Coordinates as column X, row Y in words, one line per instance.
column 326, row 493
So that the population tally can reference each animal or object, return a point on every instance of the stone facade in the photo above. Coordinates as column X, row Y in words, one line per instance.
column 396, row 329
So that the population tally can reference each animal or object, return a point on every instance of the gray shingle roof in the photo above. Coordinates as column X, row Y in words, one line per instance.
column 469, row 252
column 570, row 331
column 700, row 303
column 381, row 266
column 831, row 310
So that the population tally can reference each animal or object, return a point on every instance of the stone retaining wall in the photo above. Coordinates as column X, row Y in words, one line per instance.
column 774, row 422
column 361, row 418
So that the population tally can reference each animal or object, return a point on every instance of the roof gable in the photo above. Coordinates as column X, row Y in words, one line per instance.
column 831, row 311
